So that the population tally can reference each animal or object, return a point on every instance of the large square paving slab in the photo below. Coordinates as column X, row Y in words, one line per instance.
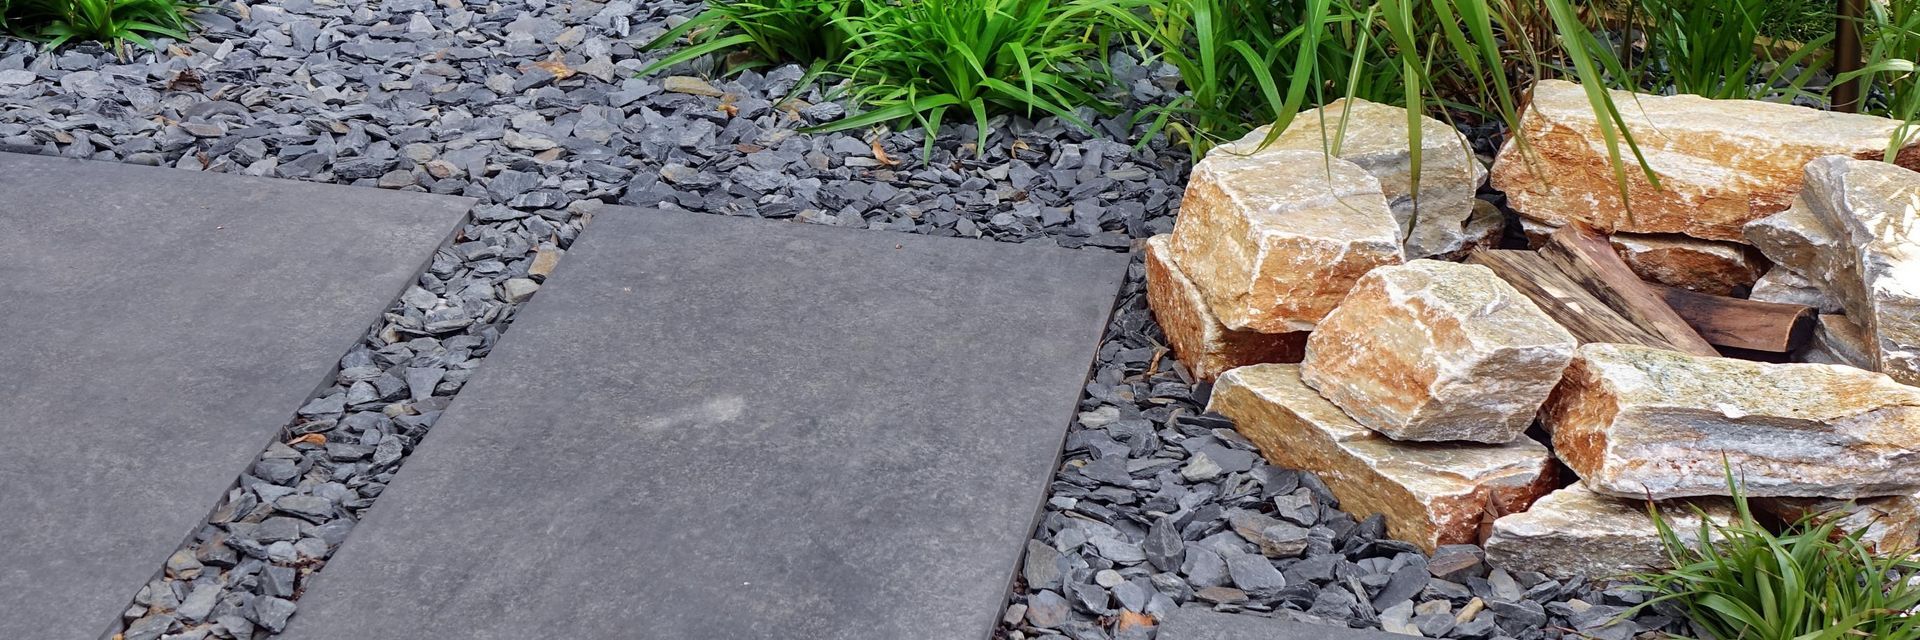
column 157, row 328
column 712, row 427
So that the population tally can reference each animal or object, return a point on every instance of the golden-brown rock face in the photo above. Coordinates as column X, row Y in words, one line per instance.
column 1275, row 239
column 1722, row 163
column 1887, row 525
column 1575, row 532
column 1437, row 218
column 1207, row 347
column 1636, row 421
column 1782, row 285
column 1431, row 493
column 1436, row 351
column 1717, row 268
column 1797, row 240
column 1874, row 210
column 1837, row 340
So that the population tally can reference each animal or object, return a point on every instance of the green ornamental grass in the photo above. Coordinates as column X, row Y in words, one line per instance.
column 115, row 22
column 803, row 31
column 922, row 59
column 1706, row 48
column 1807, row 583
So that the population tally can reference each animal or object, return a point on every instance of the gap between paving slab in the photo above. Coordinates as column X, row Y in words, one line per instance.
column 153, row 321
column 264, row 608
column 735, row 428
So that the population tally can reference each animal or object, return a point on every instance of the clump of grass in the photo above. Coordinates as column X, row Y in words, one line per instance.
column 803, row 31
column 1890, row 34
column 920, row 59
column 1707, row 48
column 114, row 22
column 1807, row 583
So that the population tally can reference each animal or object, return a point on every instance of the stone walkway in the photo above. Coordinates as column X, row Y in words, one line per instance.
column 817, row 431
column 156, row 327
column 710, row 427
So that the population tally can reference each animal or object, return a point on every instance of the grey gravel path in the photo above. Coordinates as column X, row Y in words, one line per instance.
column 447, row 97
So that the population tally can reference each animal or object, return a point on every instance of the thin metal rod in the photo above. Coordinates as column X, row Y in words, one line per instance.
column 1846, row 54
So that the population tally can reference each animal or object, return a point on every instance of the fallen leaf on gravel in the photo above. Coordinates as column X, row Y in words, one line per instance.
column 559, row 69
column 880, row 153
column 1131, row 619
column 315, row 439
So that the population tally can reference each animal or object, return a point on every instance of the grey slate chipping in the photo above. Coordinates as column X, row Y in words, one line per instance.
column 1197, row 623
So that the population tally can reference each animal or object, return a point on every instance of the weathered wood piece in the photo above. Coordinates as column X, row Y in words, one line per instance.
column 1742, row 324
column 1585, row 316
column 1588, row 259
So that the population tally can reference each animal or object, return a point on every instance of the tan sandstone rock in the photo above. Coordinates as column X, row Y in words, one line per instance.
column 1706, row 266
column 1432, row 493
column 1837, row 340
column 1435, row 351
column 1800, row 242
column 1782, row 285
column 1576, row 532
column 1638, row 421
column 1536, row 232
column 1722, row 163
column 1485, row 229
column 1207, row 347
column 1874, row 210
column 1886, row 525
column 1275, row 239
column 1375, row 137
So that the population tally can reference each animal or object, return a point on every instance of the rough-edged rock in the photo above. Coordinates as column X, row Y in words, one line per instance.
column 1874, row 210
column 1888, row 525
column 1638, row 421
column 1784, row 286
column 1207, row 347
column 1431, row 493
column 1837, row 340
column 1706, row 266
column 1276, row 238
column 1576, row 532
column 1435, row 351
column 1435, row 220
column 1797, row 240
column 1721, row 163
column 1536, row 232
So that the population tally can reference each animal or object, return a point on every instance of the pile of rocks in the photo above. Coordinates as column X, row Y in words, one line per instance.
column 1302, row 276
column 1271, row 238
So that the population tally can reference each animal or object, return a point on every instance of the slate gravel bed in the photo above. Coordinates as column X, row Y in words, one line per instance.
column 532, row 108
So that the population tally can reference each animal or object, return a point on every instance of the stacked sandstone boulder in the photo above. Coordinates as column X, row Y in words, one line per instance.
column 1419, row 381
column 1271, row 237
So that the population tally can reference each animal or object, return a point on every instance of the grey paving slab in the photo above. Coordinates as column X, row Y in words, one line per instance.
column 712, row 427
column 1193, row 623
column 157, row 327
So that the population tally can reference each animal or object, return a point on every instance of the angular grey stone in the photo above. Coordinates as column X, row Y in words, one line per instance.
column 832, row 534
column 1042, row 567
column 167, row 383
column 1254, row 573
column 1196, row 623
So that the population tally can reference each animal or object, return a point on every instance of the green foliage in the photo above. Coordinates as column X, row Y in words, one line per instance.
column 1807, row 583
column 115, row 22
column 1890, row 37
column 920, row 58
column 1798, row 20
column 1706, row 48
column 804, row 31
